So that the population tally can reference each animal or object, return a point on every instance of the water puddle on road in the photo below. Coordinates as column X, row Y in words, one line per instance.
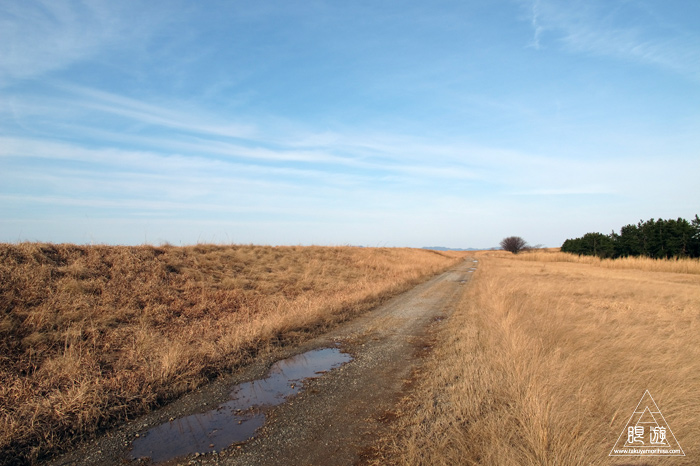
column 236, row 420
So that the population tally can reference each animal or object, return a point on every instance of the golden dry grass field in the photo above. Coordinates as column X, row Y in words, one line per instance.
column 547, row 357
column 93, row 335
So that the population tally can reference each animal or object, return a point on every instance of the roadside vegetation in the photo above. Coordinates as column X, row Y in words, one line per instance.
column 546, row 358
column 94, row 335
column 648, row 264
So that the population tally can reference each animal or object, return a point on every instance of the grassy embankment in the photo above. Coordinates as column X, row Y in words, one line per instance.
column 547, row 357
column 90, row 336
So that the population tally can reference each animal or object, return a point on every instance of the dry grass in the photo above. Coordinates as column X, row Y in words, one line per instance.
column 544, row 362
column 679, row 265
column 90, row 336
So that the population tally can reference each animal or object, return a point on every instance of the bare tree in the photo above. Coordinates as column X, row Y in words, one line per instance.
column 514, row 244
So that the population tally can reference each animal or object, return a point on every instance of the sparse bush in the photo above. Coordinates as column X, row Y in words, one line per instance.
column 514, row 244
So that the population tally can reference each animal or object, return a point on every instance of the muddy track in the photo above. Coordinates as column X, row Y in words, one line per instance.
column 335, row 416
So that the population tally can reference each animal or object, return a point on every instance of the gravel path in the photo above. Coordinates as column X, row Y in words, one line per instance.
column 337, row 415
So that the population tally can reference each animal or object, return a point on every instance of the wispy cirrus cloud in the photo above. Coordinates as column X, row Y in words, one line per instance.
column 164, row 116
column 279, row 154
column 536, row 27
column 629, row 30
column 177, row 169
column 39, row 37
column 203, row 137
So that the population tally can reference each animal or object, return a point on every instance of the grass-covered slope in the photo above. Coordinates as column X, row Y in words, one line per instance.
column 91, row 335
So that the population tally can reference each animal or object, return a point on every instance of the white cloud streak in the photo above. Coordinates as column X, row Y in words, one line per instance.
column 602, row 28
column 261, row 163
column 168, row 117
column 537, row 29
column 38, row 37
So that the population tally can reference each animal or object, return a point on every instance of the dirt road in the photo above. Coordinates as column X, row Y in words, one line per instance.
column 330, row 421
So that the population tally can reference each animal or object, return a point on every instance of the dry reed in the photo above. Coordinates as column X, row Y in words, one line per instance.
column 90, row 336
column 544, row 362
column 677, row 265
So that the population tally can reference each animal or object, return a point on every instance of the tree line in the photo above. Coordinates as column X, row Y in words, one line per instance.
column 659, row 239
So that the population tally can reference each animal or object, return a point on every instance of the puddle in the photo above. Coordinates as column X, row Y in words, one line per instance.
column 236, row 420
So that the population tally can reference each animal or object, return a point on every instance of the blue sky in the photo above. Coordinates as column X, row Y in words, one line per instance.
column 378, row 123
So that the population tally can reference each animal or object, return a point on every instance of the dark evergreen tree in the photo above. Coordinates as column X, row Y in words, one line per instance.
column 628, row 242
column 591, row 244
column 694, row 248
column 661, row 239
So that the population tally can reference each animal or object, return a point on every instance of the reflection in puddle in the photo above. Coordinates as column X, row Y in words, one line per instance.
column 236, row 420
